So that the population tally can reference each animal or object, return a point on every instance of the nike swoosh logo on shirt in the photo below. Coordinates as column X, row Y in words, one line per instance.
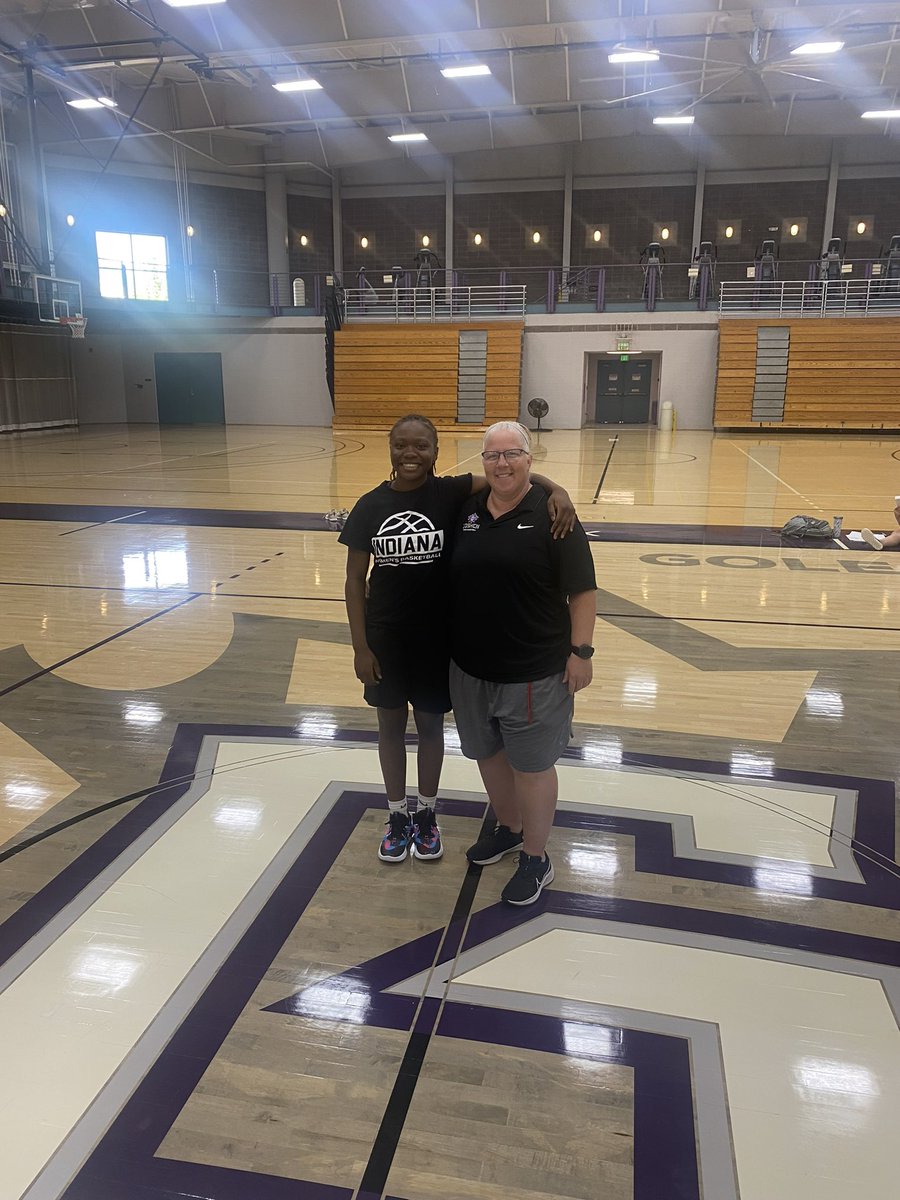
column 524, row 527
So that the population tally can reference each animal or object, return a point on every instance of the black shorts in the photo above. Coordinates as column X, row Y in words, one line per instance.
column 415, row 669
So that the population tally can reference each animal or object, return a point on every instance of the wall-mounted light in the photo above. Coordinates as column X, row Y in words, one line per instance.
column 426, row 240
column 536, row 237
column 666, row 232
column 861, row 226
column 364, row 243
column 794, row 229
column 70, row 220
column 596, row 237
column 304, row 240
column 728, row 230
column 477, row 239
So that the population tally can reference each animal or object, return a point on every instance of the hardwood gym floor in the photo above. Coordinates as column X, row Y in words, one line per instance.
column 209, row 986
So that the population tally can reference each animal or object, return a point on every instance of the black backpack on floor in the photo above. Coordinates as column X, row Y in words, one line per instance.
column 807, row 527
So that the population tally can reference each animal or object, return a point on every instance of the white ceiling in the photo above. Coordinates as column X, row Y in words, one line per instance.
column 726, row 61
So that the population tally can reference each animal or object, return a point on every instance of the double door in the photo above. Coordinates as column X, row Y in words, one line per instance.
column 623, row 392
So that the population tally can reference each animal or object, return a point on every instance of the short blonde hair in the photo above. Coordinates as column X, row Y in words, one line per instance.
column 509, row 427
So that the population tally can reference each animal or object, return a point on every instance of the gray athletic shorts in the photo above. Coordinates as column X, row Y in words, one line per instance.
column 532, row 722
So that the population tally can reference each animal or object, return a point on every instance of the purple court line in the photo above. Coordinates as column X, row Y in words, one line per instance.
column 665, row 1151
column 604, row 531
column 654, row 849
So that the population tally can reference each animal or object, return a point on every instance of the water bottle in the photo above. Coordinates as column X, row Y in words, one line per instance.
column 838, row 522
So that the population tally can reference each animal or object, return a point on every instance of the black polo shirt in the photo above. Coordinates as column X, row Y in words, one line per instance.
column 510, row 583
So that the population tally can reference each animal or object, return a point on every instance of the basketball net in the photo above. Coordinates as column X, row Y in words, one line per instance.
column 77, row 325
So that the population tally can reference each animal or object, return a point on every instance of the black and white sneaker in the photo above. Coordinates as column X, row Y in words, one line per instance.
column 491, row 848
column 530, row 879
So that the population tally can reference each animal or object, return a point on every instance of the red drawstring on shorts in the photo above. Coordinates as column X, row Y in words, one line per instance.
column 529, row 705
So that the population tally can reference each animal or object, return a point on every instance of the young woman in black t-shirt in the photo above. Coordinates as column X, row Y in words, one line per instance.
column 398, row 618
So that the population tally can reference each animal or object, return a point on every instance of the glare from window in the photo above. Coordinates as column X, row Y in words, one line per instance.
column 133, row 266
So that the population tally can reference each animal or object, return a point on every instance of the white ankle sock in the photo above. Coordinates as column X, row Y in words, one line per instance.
column 425, row 801
column 397, row 805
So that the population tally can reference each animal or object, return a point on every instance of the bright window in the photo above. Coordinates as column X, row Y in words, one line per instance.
column 133, row 266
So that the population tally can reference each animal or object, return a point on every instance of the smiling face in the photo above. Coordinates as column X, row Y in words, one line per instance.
column 413, row 449
column 508, row 477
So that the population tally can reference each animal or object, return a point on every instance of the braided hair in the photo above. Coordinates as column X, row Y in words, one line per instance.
column 429, row 425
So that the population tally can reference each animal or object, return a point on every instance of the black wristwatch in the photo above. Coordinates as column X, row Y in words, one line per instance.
column 582, row 651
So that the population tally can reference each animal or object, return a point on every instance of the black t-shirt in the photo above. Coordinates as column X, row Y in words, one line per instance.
column 510, row 583
column 408, row 535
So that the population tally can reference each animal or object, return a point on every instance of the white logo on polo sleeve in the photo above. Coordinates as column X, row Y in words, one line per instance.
column 407, row 539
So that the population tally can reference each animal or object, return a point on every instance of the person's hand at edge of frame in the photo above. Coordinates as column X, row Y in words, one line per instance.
column 562, row 513
column 578, row 674
column 366, row 666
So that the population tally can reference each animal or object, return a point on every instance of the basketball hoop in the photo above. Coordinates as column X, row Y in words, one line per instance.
column 77, row 325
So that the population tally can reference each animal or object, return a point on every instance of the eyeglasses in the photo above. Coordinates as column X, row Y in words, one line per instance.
column 509, row 456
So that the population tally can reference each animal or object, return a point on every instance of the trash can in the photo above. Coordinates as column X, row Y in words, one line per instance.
column 666, row 416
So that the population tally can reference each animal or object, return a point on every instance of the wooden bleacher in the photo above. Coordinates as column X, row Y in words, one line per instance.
column 843, row 373
column 384, row 371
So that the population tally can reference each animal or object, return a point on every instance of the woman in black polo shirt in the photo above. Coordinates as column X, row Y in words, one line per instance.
column 399, row 619
column 523, row 609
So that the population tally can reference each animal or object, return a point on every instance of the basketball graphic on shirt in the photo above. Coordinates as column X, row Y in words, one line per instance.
column 407, row 539
column 405, row 522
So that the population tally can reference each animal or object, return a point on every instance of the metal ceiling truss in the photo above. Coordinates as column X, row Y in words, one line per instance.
column 752, row 74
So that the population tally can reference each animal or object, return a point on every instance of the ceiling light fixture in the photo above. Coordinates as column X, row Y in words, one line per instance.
column 189, row 230
column 191, row 3
column 92, row 102
column 407, row 137
column 685, row 120
column 622, row 54
column 465, row 72
column 882, row 114
column 817, row 48
column 298, row 85
column 3, row 211
column 70, row 220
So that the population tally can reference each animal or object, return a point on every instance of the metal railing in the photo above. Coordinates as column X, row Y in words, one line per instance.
column 429, row 305
column 816, row 298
